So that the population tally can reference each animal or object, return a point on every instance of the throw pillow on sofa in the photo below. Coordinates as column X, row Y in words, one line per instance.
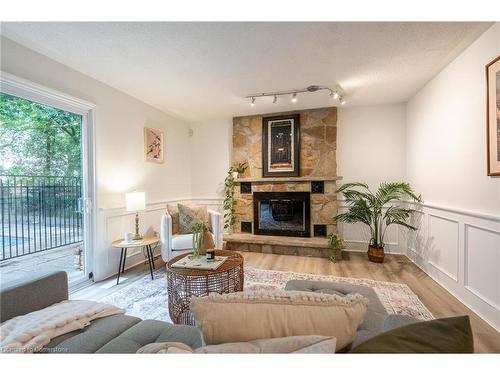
column 447, row 335
column 190, row 216
column 173, row 211
column 247, row 316
column 281, row 345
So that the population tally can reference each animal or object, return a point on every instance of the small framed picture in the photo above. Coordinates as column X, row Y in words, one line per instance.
column 153, row 145
column 493, row 116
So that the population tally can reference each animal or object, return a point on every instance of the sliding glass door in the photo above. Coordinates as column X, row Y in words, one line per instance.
column 46, row 171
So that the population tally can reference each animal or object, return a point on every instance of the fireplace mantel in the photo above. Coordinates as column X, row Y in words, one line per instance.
column 273, row 180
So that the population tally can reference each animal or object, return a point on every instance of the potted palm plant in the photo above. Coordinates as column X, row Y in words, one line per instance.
column 378, row 211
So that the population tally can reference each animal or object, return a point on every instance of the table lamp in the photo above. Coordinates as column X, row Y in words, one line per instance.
column 136, row 202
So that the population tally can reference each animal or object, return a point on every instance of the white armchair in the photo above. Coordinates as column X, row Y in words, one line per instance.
column 173, row 244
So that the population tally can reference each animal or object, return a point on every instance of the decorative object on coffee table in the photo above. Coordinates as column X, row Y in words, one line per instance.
column 378, row 211
column 198, row 249
column 145, row 242
column 182, row 284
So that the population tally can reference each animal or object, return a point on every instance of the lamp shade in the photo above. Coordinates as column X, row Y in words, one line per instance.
column 135, row 201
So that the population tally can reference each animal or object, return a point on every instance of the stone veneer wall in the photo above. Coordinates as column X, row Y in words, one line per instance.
column 318, row 130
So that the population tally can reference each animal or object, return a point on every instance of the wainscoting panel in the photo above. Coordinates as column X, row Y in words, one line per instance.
column 482, row 252
column 443, row 245
column 461, row 251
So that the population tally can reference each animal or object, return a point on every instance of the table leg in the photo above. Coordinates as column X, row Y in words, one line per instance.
column 152, row 257
column 124, row 258
column 150, row 262
column 119, row 267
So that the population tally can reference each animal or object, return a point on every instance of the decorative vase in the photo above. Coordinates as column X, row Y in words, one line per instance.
column 235, row 175
column 197, row 243
column 376, row 254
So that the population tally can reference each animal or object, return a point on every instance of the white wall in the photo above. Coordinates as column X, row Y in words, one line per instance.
column 211, row 146
column 446, row 133
column 458, row 243
column 120, row 120
column 371, row 144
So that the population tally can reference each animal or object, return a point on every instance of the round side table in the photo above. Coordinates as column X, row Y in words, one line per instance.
column 182, row 284
column 146, row 242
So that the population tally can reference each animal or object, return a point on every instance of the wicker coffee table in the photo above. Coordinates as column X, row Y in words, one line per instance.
column 182, row 284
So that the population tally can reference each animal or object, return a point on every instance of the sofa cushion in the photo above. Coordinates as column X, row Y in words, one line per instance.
column 185, row 241
column 23, row 297
column 279, row 345
column 394, row 321
column 149, row 331
column 92, row 338
column 277, row 313
column 448, row 335
column 190, row 216
column 182, row 241
column 376, row 312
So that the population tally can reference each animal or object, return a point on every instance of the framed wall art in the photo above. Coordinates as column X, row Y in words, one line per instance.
column 153, row 145
column 281, row 146
column 493, row 116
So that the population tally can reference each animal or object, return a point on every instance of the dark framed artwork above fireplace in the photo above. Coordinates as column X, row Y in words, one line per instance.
column 281, row 146
column 282, row 213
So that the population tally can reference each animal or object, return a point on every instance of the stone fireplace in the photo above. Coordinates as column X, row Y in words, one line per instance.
column 270, row 206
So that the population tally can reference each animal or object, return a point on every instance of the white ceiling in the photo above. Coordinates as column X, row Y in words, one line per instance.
column 202, row 71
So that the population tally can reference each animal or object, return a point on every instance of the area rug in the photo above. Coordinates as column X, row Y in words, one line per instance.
column 147, row 299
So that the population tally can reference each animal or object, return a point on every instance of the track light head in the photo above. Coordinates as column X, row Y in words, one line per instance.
column 253, row 102
column 294, row 97
column 334, row 95
column 342, row 100
column 275, row 99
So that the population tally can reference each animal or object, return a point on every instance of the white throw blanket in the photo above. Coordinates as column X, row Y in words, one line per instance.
column 31, row 332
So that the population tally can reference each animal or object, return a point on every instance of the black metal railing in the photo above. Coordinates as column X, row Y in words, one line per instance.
column 38, row 213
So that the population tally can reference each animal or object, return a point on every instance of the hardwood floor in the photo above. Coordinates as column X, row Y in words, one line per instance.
column 397, row 268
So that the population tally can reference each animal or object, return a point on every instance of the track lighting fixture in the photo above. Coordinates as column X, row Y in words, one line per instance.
column 336, row 93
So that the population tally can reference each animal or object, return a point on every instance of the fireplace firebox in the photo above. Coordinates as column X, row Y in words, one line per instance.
column 282, row 213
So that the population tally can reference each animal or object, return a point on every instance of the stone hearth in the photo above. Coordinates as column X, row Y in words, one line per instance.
column 311, row 247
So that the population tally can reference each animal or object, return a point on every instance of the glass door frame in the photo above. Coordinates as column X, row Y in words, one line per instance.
column 22, row 88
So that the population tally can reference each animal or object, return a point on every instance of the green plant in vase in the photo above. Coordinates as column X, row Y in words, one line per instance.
column 336, row 243
column 198, row 231
column 241, row 168
column 229, row 203
column 378, row 210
